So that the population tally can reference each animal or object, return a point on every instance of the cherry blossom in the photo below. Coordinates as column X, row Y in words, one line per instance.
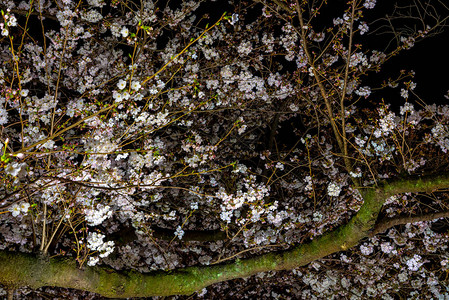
column 149, row 137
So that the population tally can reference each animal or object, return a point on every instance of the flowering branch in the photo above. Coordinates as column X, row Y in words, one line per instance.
column 17, row 269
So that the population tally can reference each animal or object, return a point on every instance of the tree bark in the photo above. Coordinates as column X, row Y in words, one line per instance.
column 19, row 269
column 385, row 224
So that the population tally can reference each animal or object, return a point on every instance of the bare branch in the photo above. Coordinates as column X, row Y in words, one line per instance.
column 387, row 223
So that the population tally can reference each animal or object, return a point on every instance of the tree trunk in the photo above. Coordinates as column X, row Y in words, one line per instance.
column 19, row 269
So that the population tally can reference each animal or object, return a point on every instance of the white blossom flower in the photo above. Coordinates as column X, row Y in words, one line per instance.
column 317, row 216
column 126, row 95
column 311, row 74
column 363, row 91
column 407, row 108
column 24, row 206
column 14, row 169
column 96, row 3
column 245, row 48
column 414, row 263
column 386, row 247
column 358, row 58
column 49, row 144
column 404, row 93
column 15, row 209
column 355, row 174
column 115, row 29
column 91, row 16
column 124, row 32
column 3, row 116
column 316, row 37
column 95, row 243
column 226, row 216
column 121, row 84
column 309, row 186
column 96, row 216
column 403, row 277
column 369, row 4
column 179, row 232
column 337, row 21
column 363, row 27
column 93, row 261
column 242, row 129
column 409, row 42
column 366, row 249
column 135, row 85
column 12, row 21
column 387, row 124
column 438, row 131
column 117, row 96
column 294, row 107
column 333, row 189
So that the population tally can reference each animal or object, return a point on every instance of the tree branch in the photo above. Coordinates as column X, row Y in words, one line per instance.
column 19, row 269
column 387, row 223
column 24, row 12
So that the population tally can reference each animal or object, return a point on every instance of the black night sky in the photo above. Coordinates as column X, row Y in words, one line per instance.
column 428, row 58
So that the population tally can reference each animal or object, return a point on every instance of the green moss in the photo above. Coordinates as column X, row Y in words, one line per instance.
column 18, row 269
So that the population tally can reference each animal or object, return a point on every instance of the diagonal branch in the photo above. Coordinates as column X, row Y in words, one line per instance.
column 19, row 269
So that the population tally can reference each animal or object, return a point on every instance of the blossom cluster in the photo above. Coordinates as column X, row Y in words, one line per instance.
column 9, row 20
column 147, row 120
column 19, row 209
column 95, row 243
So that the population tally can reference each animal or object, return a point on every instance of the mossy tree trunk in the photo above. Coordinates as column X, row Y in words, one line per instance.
column 18, row 269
